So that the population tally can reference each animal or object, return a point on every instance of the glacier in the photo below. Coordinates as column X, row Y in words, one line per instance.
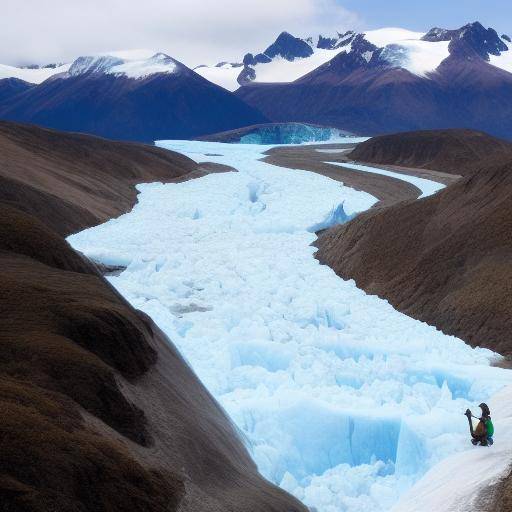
column 342, row 401
column 293, row 133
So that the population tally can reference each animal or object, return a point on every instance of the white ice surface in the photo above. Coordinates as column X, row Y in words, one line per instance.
column 343, row 401
column 503, row 61
column 141, row 68
column 333, row 151
column 392, row 35
column 427, row 187
column 421, row 57
column 409, row 51
column 282, row 70
column 132, row 64
column 33, row 76
column 225, row 76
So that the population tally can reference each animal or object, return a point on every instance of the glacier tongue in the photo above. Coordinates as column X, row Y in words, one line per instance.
column 343, row 401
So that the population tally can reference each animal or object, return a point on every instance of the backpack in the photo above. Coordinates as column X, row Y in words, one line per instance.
column 489, row 427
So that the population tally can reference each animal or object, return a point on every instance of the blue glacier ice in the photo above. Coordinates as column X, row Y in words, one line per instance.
column 343, row 401
column 291, row 133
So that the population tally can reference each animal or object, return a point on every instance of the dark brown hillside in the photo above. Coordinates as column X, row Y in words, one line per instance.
column 65, row 336
column 445, row 259
column 73, row 181
column 456, row 151
column 98, row 411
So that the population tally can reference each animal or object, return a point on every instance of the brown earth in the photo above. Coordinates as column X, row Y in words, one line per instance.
column 98, row 410
column 500, row 498
column 452, row 151
column 74, row 181
column 445, row 259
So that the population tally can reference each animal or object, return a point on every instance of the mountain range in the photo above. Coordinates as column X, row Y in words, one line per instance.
column 127, row 96
column 391, row 80
column 379, row 81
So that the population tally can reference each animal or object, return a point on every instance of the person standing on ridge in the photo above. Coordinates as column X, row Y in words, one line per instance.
column 484, row 430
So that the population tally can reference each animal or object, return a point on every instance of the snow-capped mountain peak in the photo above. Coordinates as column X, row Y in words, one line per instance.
column 285, row 60
column 136, row 68
column 484, row 42
column 136, row 64
column 290, row 58
column 93, row 64
column 289, row 47
column 158, row 63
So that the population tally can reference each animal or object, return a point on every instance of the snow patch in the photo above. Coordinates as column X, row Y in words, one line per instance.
column 418, row 57
column 224, row 76
column 393, row 35
column 159, row 63
column 282, row 70
column 33, row 76
column 333, row 151
column 427, row 187
column 503, row 61
column 115, row 65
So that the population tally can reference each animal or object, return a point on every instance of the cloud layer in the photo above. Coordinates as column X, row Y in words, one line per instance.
column 193, row 31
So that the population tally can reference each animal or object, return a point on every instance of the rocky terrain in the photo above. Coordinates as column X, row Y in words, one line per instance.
column 99, row 411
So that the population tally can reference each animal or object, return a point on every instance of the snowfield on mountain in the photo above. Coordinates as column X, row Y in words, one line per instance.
column 420, row 53
column 342, row 400
column 31, row 75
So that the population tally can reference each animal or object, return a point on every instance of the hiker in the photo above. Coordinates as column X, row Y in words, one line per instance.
column 484, row 430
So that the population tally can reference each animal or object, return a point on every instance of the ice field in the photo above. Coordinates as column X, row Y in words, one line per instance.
column 342, row 400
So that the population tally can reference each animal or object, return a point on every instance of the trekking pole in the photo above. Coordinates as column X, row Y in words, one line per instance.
column 472, row 415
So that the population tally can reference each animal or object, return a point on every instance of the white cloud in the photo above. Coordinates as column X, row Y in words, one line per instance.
column 193, row 31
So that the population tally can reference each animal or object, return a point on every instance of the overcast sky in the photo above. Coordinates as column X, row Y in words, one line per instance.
column 207, row 31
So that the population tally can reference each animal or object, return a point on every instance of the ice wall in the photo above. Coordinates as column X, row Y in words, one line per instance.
column 293, row 133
